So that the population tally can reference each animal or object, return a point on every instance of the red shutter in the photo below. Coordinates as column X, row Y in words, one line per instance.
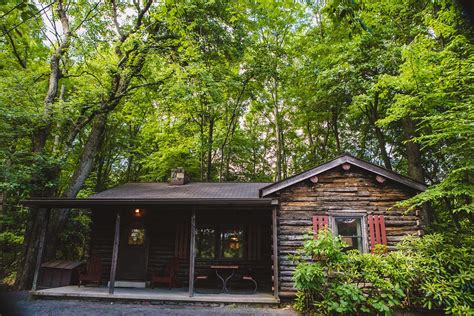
column 377, row 233
column 182, row 240
column 319, row 222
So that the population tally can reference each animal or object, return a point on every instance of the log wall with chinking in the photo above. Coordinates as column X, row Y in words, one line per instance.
column 102, row 239
column 338, row 190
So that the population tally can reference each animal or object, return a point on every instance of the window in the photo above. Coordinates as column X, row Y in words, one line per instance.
column 232, row 243
column 206, row 243
column 136, row 236
column 220, row 242
column 350, row 230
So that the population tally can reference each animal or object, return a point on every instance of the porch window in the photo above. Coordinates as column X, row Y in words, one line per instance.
column 232, row 243
column 220, row 242
column 206, row 243
column 350, row 230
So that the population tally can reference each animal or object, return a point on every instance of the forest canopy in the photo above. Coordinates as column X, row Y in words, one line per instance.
column 98, row 93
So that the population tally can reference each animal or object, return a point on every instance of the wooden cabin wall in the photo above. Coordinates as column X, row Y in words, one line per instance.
column 337, row 190
column 102, row 239
column 162, row 227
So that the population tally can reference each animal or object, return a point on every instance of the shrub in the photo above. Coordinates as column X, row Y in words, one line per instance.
column 428, row 272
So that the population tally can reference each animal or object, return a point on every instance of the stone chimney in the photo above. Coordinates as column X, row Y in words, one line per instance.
column 178, row 176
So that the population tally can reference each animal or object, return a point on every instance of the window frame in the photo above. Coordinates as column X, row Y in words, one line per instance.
column 362, row 215
column 218, row 250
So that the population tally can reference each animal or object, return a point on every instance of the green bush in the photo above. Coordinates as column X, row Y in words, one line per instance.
column 429, row 272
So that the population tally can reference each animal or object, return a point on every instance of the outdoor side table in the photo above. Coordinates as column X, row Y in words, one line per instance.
column 224, row 280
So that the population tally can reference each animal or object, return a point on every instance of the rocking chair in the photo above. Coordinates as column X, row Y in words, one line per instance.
column 169, row 275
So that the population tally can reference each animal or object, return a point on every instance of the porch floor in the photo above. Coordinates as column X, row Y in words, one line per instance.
column 147, row 294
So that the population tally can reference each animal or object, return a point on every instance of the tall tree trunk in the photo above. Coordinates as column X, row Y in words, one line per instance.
column 311, row 141
column 415, row 168
column 132, row 61
column 201, row 151
column 335, row 128
column 39, row 139
column 382, row 146
column 378, row 133
column 210, row 140
column 37, row 220
column 230, row 133
column 279, row 157
column 76, row 182
column 40, row 136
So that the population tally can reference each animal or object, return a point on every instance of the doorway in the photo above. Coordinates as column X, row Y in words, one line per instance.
column 133, row 250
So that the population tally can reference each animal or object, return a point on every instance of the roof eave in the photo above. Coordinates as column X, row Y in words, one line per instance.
column 88, row 203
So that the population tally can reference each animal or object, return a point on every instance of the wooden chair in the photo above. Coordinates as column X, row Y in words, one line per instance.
column 93, row 271
column 252, row 281
column 169, row 275
column 248, row 278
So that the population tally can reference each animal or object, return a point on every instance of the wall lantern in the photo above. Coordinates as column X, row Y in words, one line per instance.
column 137, row 212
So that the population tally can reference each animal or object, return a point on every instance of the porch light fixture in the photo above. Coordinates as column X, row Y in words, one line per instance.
column 138, row 212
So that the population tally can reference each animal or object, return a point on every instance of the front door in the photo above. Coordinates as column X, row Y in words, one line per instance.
column 133, row 250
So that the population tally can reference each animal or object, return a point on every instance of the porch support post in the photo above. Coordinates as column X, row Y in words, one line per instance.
column 192, row 252
column 275, row 247
column 113, row 268
column 45, row 213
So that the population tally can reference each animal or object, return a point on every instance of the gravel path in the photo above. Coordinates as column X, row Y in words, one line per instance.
column 20, row 303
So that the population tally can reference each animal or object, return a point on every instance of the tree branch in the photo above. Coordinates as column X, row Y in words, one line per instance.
column 15, row 51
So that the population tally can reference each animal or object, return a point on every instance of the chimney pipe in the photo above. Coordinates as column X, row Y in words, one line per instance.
column 178, row 176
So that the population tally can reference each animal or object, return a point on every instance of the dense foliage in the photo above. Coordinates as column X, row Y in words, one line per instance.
column 98, row 93
column 429, row 273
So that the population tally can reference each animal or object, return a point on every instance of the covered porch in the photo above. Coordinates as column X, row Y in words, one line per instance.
column 203, row 233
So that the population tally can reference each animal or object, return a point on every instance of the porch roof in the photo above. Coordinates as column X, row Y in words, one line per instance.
column 227, row 193
column 194, row 190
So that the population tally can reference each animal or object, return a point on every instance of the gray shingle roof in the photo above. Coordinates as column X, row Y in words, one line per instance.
column 193, row 190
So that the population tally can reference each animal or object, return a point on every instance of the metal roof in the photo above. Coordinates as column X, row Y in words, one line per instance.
column 346, row 158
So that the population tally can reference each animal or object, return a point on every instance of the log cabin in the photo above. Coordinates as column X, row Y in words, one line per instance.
column 237, row 236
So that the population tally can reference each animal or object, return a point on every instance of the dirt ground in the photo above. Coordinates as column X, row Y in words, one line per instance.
column 20, row 303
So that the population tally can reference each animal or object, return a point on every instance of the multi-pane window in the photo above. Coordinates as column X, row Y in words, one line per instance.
column 350, row 230
column 220, row 242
